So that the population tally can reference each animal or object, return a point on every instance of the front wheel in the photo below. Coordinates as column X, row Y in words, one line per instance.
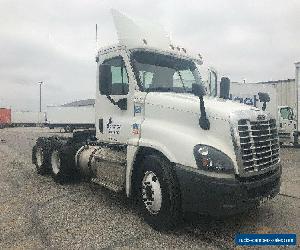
column 159, row 194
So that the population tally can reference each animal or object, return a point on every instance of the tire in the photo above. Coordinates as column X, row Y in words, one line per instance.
column 56, row 162
column 158, row 193
column 41, row 155
column 63, row 161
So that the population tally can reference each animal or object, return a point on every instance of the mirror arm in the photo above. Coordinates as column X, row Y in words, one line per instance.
column 203, row 121
column 111, row 100
column 122, row 103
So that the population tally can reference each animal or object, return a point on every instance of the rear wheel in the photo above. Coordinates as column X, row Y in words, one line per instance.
column 41, row 155
column 63, row 161
column 159, row 194
column 58, row 170
column 55, row 162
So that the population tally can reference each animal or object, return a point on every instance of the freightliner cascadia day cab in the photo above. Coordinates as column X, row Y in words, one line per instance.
column 161, row 141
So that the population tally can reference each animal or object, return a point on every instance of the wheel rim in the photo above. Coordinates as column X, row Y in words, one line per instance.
column 55, row 162
column 39, row 156
column 151, row 192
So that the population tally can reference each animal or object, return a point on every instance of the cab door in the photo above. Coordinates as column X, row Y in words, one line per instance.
column 115, row 100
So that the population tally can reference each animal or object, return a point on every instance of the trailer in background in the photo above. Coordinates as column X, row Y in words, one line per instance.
column 5, row 117
column 283, row 104
column 75, row 115
column 284, row 100
column 27, row 118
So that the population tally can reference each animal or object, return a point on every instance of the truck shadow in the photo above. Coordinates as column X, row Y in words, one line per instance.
column 219, row 232
column 245, row 222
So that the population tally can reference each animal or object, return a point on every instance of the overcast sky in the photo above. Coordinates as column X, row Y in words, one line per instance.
column 54, row 41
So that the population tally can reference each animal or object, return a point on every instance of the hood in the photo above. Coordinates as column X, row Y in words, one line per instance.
column 185, row 102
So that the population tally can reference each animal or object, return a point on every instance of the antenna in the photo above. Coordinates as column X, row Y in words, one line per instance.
column 97, row 38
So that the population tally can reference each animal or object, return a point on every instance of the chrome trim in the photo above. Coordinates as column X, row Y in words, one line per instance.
column 251, row 116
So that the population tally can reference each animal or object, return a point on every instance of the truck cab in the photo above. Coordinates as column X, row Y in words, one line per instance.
column 165, row 143
column 287, row 125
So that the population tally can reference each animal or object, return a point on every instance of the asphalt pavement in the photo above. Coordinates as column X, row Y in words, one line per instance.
column 37, row 213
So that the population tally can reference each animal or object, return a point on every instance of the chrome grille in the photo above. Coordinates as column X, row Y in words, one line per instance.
column 259, row 144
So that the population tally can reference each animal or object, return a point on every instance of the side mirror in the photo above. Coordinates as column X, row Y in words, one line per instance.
column 198, row 90
column 263, row 97
column 122, row 104
column 105, row 79
column 224, row 87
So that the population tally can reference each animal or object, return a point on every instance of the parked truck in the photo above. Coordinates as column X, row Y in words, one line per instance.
column 76, row 115
column 161, row 140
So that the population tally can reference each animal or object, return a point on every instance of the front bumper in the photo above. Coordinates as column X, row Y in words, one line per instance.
column 219, row 196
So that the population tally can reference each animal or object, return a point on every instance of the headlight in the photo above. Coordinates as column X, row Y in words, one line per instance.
column 212, row 159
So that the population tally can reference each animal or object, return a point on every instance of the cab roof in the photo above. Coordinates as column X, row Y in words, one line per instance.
column 134, row 35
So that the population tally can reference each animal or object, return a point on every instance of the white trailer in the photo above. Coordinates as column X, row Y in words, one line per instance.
column 161, row 141
column 283, row 103
column 27, row 118
column 71, row 117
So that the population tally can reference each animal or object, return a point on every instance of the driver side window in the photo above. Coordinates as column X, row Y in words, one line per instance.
column 113, row 78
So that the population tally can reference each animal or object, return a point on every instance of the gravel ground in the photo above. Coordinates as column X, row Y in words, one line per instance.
column 37, row 213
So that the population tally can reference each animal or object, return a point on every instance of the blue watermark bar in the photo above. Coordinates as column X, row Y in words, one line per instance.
column 265, row 239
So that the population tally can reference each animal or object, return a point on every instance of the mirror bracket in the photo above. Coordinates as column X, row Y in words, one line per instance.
column 122, row 103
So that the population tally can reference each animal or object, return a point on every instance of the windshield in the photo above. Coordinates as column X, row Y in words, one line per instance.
column 157, row 72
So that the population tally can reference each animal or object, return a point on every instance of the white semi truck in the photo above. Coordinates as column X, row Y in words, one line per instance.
column 161, row 141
